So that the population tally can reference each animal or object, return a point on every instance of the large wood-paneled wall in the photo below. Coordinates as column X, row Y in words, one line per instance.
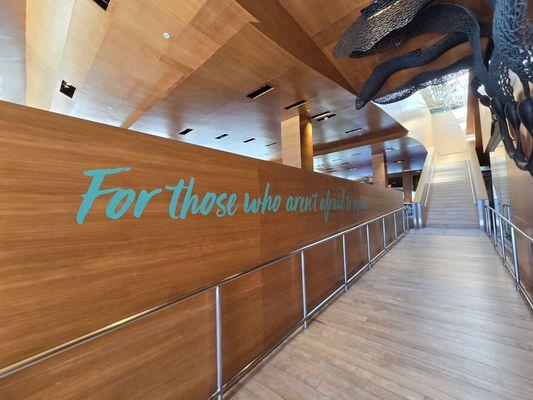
column 60, row 280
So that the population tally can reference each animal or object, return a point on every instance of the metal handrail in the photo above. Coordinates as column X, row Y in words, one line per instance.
column 428, row 184
column 221, row 388
column 471, row 180
column 493, row 220
column 516, row 228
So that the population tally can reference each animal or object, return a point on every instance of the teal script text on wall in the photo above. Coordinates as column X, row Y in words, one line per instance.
column 185, row 202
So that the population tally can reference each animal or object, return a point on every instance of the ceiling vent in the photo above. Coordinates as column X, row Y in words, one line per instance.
column 353, row 130
column 222, row 136
column 294, row 105
column 271, row 144
column 323, row 114
column 249, row 140
column 103, row 3
column 326, row 117
column 66, row 89
column 185, row 131
column 261, row 91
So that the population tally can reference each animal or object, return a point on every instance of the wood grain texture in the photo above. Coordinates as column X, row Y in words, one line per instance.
column 168, row 355
column 127, row 74
column 324, row 271
column 60, row 280
column 257, row 310
column 417, row 326
column 376, row 234
column 356, row 251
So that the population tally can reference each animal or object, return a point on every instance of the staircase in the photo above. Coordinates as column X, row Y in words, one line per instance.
column 450, row 203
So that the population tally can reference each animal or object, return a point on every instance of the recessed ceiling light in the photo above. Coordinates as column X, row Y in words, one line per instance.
column 260, row 92
column 185, row 131
column 321, row 114
column 354, row 130
column 249, row 140
column 221, row 136
column 294, row 105
column 166, row 35
column 271, row 144
column 326, row 117
column 103, row 3
column 352, row 169
column 66, row 89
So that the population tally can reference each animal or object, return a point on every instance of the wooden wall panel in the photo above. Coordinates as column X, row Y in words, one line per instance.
column 168, row 355
column 376, row 237
column 399, row 222
column 324, row 271
column 57, row 276
column 257, row 310
column 356, row 251
column 283, row 232
column 60, row 280
column 389, row 229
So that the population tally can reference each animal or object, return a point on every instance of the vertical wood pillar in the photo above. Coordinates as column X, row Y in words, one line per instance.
column 407, row 183
column 297, row 142
column 379, row 169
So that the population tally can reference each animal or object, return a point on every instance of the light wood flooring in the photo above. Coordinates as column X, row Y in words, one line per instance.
column 436, row 318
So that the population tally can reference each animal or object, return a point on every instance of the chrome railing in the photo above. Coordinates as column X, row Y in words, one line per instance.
column 471, row 180
column 496, row 227
column 303, row 322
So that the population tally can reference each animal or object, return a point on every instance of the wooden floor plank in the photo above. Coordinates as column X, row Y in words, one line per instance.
column 436, row 318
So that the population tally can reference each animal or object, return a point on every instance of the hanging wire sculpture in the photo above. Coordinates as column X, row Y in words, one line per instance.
column 387, row 24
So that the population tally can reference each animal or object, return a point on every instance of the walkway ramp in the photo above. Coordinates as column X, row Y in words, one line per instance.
column 436, row 318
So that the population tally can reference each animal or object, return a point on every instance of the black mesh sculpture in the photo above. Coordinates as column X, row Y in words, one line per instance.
column 388, row 24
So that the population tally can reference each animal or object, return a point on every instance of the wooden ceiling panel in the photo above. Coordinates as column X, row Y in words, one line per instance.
column 212, row 100
column 356, row 163
column 119, row 60
column 47, row 26
column 126, row 73
column 86, row 33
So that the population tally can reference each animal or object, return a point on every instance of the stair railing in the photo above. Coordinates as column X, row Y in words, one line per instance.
column 477, row 184
column 496, row 228
column 423, row 190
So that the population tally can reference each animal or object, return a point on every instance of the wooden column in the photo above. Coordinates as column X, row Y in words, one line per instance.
column 379, row 169
column 297, row 142
column 407, row 183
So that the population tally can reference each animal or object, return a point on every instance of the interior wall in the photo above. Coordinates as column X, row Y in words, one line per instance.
column 61, row 280
column 513, row 187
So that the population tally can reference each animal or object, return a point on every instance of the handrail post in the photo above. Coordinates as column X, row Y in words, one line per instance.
column 494, row 230
column 304, row 292
column 384, row 235
column 395, row 228
column 218, row 322
column 487, row 222
column 502, row 233
column 368, row 247
column 515, row 257
column 404, row 217
column 344, row 263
